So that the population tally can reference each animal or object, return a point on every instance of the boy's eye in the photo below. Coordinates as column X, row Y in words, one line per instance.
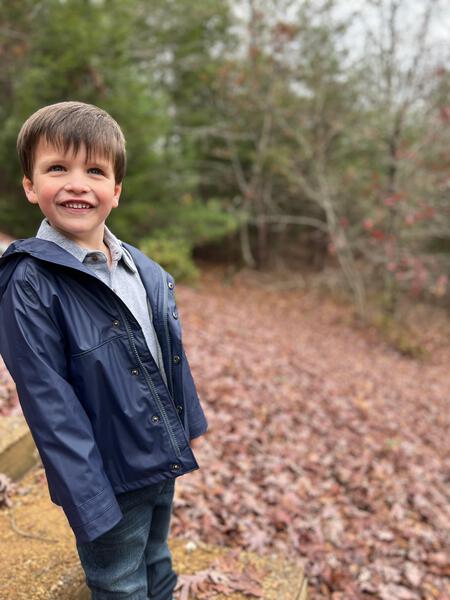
column 96, row 171
column 56, row 168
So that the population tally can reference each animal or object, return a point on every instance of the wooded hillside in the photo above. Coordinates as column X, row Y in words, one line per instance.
column 301, row 132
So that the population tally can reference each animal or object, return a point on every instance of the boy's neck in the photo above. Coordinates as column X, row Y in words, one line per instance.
column 92, row 243
column 78, row 248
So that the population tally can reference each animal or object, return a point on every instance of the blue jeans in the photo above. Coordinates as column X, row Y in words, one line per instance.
column 132, row 560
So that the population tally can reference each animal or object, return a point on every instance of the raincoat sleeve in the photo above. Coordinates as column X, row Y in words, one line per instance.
column 33, row 349
column 198, row 424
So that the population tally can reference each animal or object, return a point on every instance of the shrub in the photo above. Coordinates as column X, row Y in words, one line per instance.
column 174, row 255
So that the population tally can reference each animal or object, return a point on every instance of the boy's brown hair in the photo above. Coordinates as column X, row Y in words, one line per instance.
column 68, row 125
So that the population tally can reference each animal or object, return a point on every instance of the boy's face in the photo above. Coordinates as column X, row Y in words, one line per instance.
column 76, row 196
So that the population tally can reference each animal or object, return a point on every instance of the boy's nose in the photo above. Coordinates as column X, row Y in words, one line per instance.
column 78, row 186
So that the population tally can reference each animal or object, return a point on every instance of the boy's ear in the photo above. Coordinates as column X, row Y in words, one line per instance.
column 117, row 191
column 29, row 190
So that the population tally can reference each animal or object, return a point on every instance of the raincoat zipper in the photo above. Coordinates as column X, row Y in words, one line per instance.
column 166, row 328
column 149, row 381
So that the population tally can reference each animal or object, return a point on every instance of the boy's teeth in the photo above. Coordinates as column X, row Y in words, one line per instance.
column 76, row 205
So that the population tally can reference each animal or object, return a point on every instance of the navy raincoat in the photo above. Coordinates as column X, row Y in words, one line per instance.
column 101, row 416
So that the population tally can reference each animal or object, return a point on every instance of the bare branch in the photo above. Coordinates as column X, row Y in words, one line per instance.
column 291, row 220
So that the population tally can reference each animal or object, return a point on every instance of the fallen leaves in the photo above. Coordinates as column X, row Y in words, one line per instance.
column 224, row 576
column 324, row 445
column 7, row 487
column 9, row 402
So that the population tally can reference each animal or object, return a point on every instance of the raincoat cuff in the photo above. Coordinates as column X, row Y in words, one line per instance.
column 198, row 428
column 95, row 517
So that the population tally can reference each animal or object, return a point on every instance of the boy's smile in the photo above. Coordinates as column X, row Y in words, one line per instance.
column 75, row 194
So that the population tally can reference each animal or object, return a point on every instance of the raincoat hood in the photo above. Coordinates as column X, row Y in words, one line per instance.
column 40, row 249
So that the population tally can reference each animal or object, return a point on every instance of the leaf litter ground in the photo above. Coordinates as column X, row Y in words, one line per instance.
column 324, row 444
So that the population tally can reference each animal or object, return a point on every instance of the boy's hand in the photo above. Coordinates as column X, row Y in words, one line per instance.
column 196, row 443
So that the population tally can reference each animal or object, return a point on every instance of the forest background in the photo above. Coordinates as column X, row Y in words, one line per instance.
column 292, row 134
column 301, row 143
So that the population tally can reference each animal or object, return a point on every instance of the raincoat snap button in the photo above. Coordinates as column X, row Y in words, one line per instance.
column 176, row 359
column 175, row 467
column 170, row 284
column 179, row 408
column 116, row 323
column 175, row 314
column 155, row 419
column 135, row 371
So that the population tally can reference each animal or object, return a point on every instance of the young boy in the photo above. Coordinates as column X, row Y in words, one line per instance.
column 90, row 332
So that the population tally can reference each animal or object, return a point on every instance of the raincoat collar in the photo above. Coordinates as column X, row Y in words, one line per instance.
column 51, row 252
